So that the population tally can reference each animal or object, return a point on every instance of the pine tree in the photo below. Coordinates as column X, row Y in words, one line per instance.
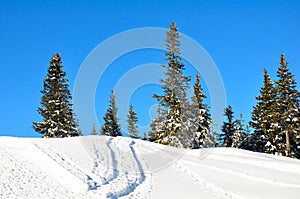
column 80, row 132
column 240, row 135
column 94, row 130
column 298, row 140
column 263, row 118
column 200, row 119
column 158, row 127
column 111, row 124
column 288, row 110
column 105, row 129
column 132, row 123
column 145, row 138
column 57, row 111
column 228, row 128
column 174, row 101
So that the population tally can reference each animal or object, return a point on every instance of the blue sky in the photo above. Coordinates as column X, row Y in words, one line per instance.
column 242, row 37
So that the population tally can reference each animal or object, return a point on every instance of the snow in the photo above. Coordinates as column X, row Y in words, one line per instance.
column 106, row 167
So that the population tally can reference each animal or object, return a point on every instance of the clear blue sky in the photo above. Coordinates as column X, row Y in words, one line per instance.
column 242, row 37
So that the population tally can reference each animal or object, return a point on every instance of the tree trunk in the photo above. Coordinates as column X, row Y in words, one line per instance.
column 288, row 144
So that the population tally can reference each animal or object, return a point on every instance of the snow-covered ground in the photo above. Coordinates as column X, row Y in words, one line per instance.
column 105, row 167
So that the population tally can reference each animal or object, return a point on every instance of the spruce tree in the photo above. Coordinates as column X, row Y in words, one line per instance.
column 228, row 128
column 105, row 129
column 200, row 118
column 288, row 109
column 158, row 127
column 174, row 99
column 298, row 141
column 132, row 123
column 263, row 118
column 145, row 138
column 240, row 135
column 80, row 132
column 94, row 130
column 56, row 110
column 111, row 124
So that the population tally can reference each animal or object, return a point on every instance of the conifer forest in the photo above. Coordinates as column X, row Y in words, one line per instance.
column 185, row 121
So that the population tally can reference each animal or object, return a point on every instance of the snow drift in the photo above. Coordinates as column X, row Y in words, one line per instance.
column 105, row 167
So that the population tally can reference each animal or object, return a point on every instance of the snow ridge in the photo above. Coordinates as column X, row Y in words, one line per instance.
column 117, row 167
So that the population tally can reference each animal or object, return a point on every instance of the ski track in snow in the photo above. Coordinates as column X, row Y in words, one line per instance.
column 114, row 162
column 240, row 174
column 105, row 174
column 200, row 180
column 118, row 169
column 134, row 179
column 137, row 181
column 24, row 180
column 182, row 164
column 206, row 183
column 104, row 159
column 104, row 178
column 93, row 182
column 255, row 162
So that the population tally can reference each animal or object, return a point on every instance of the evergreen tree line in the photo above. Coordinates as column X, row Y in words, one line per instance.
column 182, row 121
column 58, row 114
column 179, row 122
column 275, row 118
column 111, row 126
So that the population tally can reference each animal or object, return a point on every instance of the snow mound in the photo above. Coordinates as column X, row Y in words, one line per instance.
column 106, row 167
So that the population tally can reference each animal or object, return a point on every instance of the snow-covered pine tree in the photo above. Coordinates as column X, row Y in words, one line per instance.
column 94, row 130
column 57, row 111
column 105, row 129
column 158, row 127
column 263, row 118
column 200, row 119
column 249, row 143
column 298, row 139
column 132, row 123
column 145, row 138
column 111, row 124
column 174, row 99
column 288, row 109
column 228, row 128
column 240, row 135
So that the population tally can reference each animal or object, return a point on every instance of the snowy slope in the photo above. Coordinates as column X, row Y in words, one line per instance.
column 105, row 167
